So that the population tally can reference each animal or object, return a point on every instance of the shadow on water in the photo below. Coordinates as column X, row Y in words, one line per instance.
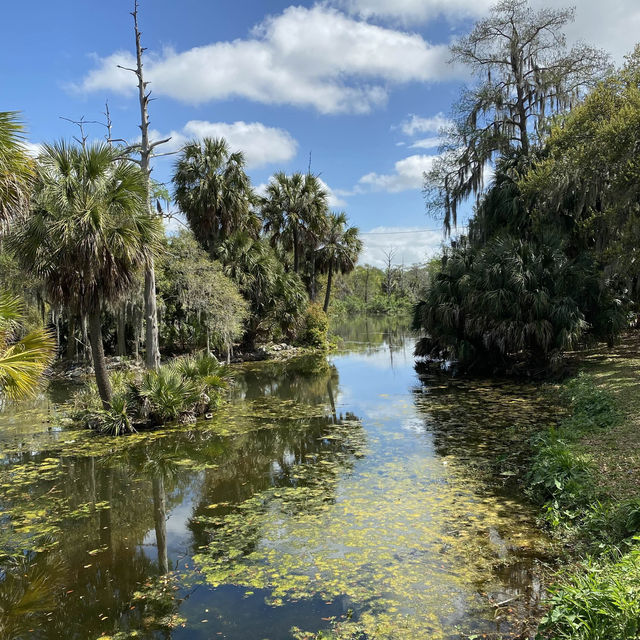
column 343, row 489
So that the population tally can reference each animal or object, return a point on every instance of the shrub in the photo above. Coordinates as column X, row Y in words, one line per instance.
column 179, row 391
column 315, row 328
column 601, row 602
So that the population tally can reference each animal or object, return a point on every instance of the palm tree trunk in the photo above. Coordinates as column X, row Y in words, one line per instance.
column 71, row 338
column 296, row 251
column 99, row 364
column 122, row 330
column 327, row 294
column 312, row 283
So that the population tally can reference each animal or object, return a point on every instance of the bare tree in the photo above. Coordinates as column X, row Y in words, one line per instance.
column 146, row 150
column 389, row 271
column 529, row 74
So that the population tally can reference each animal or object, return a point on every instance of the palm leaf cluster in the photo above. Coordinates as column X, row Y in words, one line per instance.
column 507, row 302
column 22, row 360
column 89, row 232
column 214, row 192
column 16, row 168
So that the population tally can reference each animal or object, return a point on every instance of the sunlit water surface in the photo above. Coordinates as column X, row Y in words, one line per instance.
column 350, row 492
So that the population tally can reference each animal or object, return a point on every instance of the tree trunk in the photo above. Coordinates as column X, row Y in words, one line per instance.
column 122, row 330
column 160, row 520
column 99, row 364
column 327, row 295
column 312, row 283
column 296, row 251
column 152, row 353
column 71, row 338
column 85, row 338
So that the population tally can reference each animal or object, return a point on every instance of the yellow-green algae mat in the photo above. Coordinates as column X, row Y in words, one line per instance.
column 407, row 542
column 403, row 537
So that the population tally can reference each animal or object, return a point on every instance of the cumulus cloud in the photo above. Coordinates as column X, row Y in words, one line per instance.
column 311, row 57
column 408, row 174
column 416, row 10
column 418, row 124
column 32, row 148
column 260, row 144
column 409, row 245
column 612, row 26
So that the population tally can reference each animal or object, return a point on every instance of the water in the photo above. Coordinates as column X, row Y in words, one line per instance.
column 353, row 493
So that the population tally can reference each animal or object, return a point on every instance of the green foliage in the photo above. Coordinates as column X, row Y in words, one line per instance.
column 315, row 327
column 214, row 192
column 600, row 602
column 182, row 390
column 23, row 360
column 506, row 305
column 201, row 306
column 16, row 169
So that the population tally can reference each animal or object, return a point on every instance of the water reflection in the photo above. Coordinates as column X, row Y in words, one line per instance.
column 324, row 488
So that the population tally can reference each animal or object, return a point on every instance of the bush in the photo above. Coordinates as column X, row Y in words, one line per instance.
column 315, row 328
column 601, row 602
column 180, row 391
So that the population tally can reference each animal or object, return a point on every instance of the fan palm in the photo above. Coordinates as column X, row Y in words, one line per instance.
column 214, row 192
column 339, row 251
column 293, row 207
column 88, row 234
column 23, row 361
column 16, row 168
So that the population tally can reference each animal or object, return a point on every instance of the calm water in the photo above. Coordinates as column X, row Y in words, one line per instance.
column 352, row 492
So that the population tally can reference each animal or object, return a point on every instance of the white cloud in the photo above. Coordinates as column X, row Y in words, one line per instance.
column 612, row 26
column 32, row 148
column 409, row 245
column 335, row 201
column 408, row 174
column 418, row 124
column 432, row 142
column 315, row 57
column 260, row 144
column 416, row 10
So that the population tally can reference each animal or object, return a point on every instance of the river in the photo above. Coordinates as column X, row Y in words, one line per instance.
column 353, row 492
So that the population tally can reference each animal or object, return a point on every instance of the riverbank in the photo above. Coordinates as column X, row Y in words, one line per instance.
column 585, row 474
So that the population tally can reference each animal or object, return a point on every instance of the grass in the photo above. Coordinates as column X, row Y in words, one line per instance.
column 586, row 473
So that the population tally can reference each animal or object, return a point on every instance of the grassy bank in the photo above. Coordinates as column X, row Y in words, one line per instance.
column 585, row 474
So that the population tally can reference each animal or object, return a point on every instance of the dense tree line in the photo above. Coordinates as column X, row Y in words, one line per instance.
column 78, row 235
column 550, row 257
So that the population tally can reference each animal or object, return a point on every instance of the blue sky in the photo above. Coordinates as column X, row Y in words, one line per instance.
column 361, row 84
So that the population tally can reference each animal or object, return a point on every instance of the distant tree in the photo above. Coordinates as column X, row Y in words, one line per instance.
column 277, row 298
column 214, row 192
column 16, row 168
column 294, row 209
column 198, row 298
column 529, row 74
column 339, row 251
column 89, row 233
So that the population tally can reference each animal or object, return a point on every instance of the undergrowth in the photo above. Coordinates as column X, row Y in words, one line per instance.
column 180, row 391
column 600, row 598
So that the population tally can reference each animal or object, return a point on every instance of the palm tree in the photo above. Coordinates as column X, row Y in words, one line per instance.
column 339, row 251
column 293, row 207
column 89, row 233
column 23, row 361
column 214, row 192
column 16, row 168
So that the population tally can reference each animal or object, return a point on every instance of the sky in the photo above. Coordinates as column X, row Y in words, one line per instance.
column 358, row 89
